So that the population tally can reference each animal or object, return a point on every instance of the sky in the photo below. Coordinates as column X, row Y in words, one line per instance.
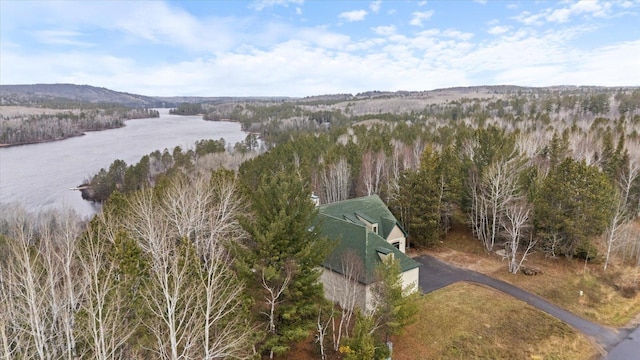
column 302, row 48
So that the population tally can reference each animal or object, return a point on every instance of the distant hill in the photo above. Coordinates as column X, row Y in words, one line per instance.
column 48, row 94
column 51, row 93
column 71, row 95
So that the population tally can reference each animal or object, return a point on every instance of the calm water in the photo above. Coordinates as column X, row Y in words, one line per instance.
column 39, row 176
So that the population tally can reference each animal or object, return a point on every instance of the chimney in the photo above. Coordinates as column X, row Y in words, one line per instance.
column 315, row 199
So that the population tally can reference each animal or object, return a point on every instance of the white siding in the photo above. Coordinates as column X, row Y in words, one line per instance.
column 335, row 288
column 396, row 235
column 411, row 277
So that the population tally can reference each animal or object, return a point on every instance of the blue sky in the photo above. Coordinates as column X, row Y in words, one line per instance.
column 302, row 48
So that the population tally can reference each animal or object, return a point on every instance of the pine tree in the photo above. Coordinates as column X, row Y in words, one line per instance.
column 420, row 194
column 394, row 303
column 573, row 203
column 362, row 344
column 283, row 258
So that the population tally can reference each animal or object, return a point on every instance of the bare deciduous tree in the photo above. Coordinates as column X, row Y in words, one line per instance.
column 194, row 293
column 515, row 222
column 104, row 303
column 275, row 285
column 348, row 296
column 43, row 289
column 336, row 181
column 371, row 174
column 490, row 194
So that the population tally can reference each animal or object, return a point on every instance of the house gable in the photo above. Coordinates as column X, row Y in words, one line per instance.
column 350, row 222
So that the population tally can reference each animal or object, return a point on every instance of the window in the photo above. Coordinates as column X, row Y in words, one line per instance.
column 396, row 244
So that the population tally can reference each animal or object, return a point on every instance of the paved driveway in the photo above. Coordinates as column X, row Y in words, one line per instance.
column 435, row 274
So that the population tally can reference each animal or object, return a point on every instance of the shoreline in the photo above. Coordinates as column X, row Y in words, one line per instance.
column 83, row 133
column 34, row 142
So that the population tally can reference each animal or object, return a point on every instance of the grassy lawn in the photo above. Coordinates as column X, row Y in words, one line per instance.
column 466, row 321
column 607, row 298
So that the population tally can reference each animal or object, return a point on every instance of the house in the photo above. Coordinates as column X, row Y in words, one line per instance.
column 366, row 233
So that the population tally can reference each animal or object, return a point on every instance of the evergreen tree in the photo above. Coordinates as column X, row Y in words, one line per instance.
column 394, row 303
column 283, row 258
column 362, row 344
column 420, row 196
column 573, row 203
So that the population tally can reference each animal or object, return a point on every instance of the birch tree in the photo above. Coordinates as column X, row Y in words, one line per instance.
column 516, row 221
column 497, row 187
column 348, row 295
column 372, row 172
column 107, row 325
column 194, row 296
column 336, row 181
column 41, row 284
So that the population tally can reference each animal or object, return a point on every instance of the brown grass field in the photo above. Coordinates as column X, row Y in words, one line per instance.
column 466, row 321
column 608, row 297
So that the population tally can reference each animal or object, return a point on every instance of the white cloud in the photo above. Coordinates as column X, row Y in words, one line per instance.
column 587, row 8
column 384, row 30
column 626, row 4
column 422, row 3
column 480, row 1
column 418, row 17
column 375, row 6
column 452, row 33
column 355, row 15
column 298, row 11
column 322, row 38
column 498, row 30
column 61, row 37
column 559, row 15
column 263, row 4
column 528, row 18
column 258, row 56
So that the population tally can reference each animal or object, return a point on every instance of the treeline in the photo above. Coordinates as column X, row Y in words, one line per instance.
column 187, row 109
column 145, row 173
column 25, row 129
column 206, row 155
column 516, row 109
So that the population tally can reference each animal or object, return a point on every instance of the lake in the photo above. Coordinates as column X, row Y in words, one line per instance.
column 39, row 176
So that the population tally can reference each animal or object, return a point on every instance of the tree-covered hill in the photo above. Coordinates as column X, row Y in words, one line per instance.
column 48, row 94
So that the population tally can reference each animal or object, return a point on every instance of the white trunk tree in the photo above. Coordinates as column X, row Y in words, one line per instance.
column 497, row 187
column 275, row 287
column 195, row 295
column 348, row 296
column 336, row 181
column 515, row 222
column 104, row 303
column 372, row 172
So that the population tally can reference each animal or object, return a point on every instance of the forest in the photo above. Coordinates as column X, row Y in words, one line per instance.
column 211, row 252
column 33, row 125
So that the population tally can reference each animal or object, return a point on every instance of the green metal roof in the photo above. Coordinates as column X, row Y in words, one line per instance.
column 370, row 208
column 336, row 222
